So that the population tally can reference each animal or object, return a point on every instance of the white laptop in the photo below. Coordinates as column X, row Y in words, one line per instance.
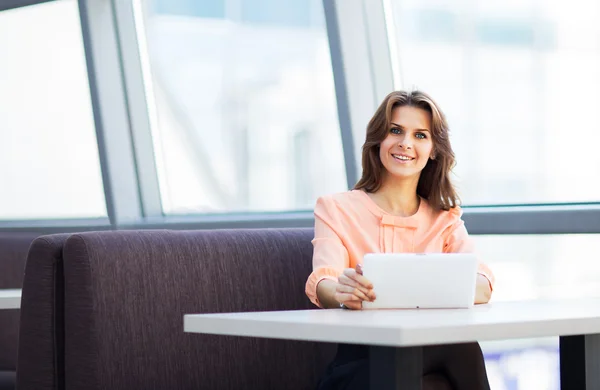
column 421, row 280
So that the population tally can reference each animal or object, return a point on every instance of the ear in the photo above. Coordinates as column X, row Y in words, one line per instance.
column 432, row 154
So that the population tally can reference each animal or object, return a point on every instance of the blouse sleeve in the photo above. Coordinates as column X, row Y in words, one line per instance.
column 330, row 256
column 458, row 241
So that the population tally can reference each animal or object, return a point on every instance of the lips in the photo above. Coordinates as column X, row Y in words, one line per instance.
column 402, row 157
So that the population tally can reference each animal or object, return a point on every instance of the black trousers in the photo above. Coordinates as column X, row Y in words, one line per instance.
column 445, row 367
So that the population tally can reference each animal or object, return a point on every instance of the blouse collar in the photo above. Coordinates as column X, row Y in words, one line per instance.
column 387, row 219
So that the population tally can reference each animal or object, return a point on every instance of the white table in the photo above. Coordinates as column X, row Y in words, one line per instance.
column 397, row 336
column 10, row 299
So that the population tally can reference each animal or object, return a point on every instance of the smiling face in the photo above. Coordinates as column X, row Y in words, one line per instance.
column 408, row 143
column 408, row 146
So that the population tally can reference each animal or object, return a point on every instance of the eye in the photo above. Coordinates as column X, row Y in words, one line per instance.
column 395, row 130
column 420, row 135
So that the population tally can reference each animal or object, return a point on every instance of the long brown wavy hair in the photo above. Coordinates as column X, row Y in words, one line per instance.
column 434, row 183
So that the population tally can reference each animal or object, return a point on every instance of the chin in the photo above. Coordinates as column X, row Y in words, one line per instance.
column 404, row 175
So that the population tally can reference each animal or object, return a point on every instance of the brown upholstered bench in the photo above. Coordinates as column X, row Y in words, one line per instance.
column 104, row 310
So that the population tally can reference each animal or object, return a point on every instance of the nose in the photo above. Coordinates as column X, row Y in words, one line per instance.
column 405, row 142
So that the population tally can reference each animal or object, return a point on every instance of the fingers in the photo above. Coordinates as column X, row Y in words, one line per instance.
column 345, row 280
column 353, row 288
column 351, row 301
column 345, row 298
column 359, row 269
column 354, row 305
column 350, row 290
column 354, row 275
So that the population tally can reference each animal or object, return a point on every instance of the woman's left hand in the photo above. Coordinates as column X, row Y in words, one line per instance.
column 483, row 291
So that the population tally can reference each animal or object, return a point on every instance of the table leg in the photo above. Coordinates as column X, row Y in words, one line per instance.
column 395, row 368
column 580, row 362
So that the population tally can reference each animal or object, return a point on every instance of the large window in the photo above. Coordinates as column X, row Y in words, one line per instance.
column 518, row 81
column 245, row 105
column 49, row 165
column 542, row 266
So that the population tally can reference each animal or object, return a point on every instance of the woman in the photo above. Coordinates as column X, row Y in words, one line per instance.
column 404, row 202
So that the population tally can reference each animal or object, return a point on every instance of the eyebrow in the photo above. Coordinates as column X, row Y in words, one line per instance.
column 402, row 127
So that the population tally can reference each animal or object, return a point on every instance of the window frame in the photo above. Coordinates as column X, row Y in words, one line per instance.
column 11, row 4
column 361, row 38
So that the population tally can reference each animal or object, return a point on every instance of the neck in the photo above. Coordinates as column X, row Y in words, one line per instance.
column 398, row 196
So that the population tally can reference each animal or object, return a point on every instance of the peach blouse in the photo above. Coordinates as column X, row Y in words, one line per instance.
column 350, row 224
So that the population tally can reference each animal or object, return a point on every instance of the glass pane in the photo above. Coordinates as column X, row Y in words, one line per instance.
column 536, row 267
column 245, row 105
column 518, row 81
column 49, row 166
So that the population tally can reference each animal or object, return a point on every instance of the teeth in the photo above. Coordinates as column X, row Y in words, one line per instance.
column 401, row 157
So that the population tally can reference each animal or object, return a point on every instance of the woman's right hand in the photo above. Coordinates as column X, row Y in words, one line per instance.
column 353, row 288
